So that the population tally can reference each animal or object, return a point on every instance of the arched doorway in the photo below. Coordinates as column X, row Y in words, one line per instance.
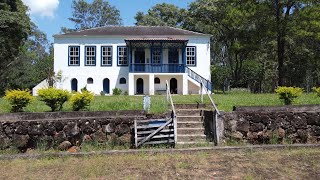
column 74, row 84
column 173, row 86
column 139, row 86
column 106, row 86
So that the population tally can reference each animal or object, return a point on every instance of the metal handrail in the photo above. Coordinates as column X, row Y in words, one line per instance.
column 212, row 102
column 198, row 78
column 174, row 116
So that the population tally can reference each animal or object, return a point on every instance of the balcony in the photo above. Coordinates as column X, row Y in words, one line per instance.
column 157, row 68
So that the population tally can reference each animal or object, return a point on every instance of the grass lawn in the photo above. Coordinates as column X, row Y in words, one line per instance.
column 158, row 103
column 263, row 164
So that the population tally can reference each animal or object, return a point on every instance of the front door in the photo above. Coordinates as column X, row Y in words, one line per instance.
column 106, row 86
column 173, row 60
column 74, row 85
column 139, row 60
column 139, row 86
column 173, row 86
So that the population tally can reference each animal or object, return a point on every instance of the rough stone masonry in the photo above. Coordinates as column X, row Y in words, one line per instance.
column 265, row 125
column 62, row 130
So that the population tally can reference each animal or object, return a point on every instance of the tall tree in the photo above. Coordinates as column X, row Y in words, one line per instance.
column 14, row 29
column 96, row 14
column 232, row 24
column 33, row 64
column 161, row 15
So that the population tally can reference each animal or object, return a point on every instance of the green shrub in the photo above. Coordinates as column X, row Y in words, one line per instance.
column 18, row 99
column 81, row 100
column 53, row 97
column 316, row 90
column 288, row 94
column 116, row 91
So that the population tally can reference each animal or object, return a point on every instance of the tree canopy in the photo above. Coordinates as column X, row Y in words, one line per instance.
column 161, row 15
column 261, row 44
column 96, row 14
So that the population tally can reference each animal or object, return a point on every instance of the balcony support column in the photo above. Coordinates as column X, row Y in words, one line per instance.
column 151, row 84
column 185, row 84
column 131, row 84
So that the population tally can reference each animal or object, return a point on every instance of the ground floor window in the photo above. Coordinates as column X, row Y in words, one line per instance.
column 157, row 80
column 123, row 80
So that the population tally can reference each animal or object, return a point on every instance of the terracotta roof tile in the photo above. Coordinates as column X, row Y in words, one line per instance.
column 133, row 31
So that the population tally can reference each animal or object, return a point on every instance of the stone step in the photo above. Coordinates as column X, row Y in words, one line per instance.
column 192, row 138
column 189, row 118
column 195, row 143
column 192, row 106
column 190, row 131
column 188, row 112
column 189, row 124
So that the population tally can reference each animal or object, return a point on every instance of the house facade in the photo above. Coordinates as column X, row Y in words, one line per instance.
column 138, row 60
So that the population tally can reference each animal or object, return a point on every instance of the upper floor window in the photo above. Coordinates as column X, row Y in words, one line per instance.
column 191, row 56
column 90, row 55
column 122, row 56
column 156, row 55
column 106, row 55
column 74, row 55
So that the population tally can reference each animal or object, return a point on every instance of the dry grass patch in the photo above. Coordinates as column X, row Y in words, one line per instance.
column 278, row 164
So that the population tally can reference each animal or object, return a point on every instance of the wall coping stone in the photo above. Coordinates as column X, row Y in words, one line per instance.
column 29, row 116
column 288, row 108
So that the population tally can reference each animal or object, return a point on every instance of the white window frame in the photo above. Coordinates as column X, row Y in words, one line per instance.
column 122, row 56
column 106, row 55
column 74, row 56
column 191, row 56
column 90, row 56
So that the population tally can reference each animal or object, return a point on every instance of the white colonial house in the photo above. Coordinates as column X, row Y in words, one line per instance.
column 137, row 59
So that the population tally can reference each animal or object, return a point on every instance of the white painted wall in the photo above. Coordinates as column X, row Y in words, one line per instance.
column 114, row 72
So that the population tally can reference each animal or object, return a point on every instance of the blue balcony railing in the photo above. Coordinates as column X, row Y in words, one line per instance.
column 157, row 68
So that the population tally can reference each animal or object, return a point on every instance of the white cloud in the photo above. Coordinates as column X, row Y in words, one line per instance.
column 44, row 8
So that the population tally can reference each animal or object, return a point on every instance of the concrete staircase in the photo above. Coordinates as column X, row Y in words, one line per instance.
column 190, row 124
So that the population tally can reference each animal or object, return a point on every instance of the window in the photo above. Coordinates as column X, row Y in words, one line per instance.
column 123, row 80
column 90, row 56
column 74, row 55
column 156, row 55
column 89, row 81
column 106, row 55
column 191, row 56
column 122, row 56
column 156, row 80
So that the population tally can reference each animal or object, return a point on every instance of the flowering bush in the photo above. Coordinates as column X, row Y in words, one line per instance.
column 316, row 90
column 81, row 100
column 53, row 97
column 18, row 99
column 288, row 94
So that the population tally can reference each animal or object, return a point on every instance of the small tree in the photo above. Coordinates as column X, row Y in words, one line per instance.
column 18, row 99
column 53, row 97
column 288, row 94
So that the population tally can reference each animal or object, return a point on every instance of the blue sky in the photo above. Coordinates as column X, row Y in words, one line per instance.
column 51, row 15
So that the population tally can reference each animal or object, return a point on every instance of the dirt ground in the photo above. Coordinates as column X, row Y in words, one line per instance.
column 247, row 164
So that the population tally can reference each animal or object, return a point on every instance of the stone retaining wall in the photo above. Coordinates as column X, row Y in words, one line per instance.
column 256, row 126
column 63, row 130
